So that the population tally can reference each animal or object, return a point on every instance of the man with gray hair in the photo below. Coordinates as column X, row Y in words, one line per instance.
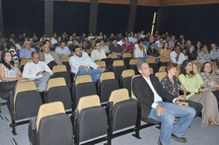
column 26, row 51
column 51, row 58
column 150, row 95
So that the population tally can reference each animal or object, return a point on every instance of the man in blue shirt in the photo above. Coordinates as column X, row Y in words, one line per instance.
column 26, row 51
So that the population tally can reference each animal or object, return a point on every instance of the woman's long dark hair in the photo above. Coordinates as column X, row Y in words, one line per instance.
column 183, row 68
column 8, row 66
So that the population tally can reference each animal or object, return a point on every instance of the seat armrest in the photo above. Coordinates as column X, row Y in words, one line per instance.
column 32, row 133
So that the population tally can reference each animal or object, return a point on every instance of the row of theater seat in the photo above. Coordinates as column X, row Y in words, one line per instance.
column 27, row 100
column 60, row 87
column 90, row 121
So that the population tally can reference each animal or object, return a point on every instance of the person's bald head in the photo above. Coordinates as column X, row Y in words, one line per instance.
column 35, row 57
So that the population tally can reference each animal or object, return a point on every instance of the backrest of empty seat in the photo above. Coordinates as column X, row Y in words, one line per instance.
column 118, row 63
column 53, row 126
column 162, row 68
column 107, row 76
column 106, row 87
column 101, row 64
column 83, row 79
column 59, row 68
column 126, row 55
column 125, row 81
column 58, row 91
column 84, row 89
column 56, row 82
column 26, row 100
column 151, row 60
column 113, row 55
column 92, row 119
column 132, row 64
column 124, row 110
column 134, row 61
column 118, row 67
column 165, row 59
column 128, row 73
column 61, row 71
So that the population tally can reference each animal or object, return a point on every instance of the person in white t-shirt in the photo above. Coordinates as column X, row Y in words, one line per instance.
column 81, row 64
column 177, row 56
column 38, row 71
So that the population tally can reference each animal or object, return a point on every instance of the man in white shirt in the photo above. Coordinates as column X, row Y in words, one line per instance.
column 177, row 56
column 140, row 50
column 81, row 64
column 38, row 71
column 98, row 53
column 150, row 95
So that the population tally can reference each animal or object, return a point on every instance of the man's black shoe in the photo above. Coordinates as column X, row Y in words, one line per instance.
column 178, row 139
column 159, row 142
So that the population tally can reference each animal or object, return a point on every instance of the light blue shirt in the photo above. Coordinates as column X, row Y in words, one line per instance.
column 26, row 53
column 63, row 51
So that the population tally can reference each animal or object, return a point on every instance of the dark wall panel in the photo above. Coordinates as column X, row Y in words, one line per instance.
column 23, row 16
column 112, row 18
column 144, row 18
column 198, row 22
column 71, row 17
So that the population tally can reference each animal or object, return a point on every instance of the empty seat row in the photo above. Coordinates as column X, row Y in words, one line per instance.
column 91, row 120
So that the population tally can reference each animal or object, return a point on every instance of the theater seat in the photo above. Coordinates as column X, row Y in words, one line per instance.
column 51, row 127
column 24, row 103
column 126, row 77
column 61, row 71
column 107, row 84
column 83, row 87
column 90, row 120
column 124, row 112
column 57, row 90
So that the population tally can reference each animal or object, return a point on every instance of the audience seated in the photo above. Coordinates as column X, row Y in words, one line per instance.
column 9, row 74
column 62, row 50
column 152, row 51
column 38, row 71
column 104, row 47
column 98, row 54
column 150, row 94
column 214, row 52
column 127, row 46
column 177, row 56
column 159, row 101
column 173, row 86
column 204, row 54
column 140, row 50
column 165, row 51
column 191, row 53
column 26, row 51
column 210, row 79
column 114, row 47
column 81, row 64
column 51, row 58
column 192, row 81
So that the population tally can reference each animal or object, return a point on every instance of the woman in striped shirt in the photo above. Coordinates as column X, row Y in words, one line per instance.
column 9, row 74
